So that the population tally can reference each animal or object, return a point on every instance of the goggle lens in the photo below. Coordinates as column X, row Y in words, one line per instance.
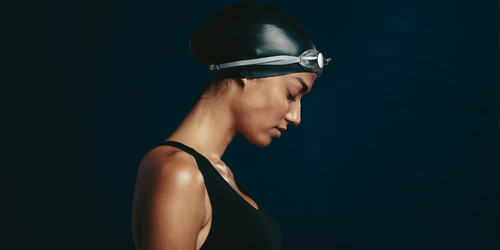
column 312, row 60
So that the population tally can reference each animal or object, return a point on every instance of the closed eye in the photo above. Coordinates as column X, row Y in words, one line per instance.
column 291, row 97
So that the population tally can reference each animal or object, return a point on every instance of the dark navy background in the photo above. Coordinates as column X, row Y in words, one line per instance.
column 398, row 146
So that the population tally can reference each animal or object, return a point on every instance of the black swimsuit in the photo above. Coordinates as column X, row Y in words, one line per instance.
column 235, row 223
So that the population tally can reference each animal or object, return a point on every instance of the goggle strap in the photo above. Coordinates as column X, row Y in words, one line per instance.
column 271, row 60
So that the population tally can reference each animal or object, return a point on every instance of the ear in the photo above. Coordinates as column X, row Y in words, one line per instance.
column 242, row 81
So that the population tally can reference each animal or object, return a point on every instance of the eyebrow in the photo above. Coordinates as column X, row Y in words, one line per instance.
column 305, row 88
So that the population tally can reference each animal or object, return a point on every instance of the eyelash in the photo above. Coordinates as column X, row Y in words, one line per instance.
column 291, row 97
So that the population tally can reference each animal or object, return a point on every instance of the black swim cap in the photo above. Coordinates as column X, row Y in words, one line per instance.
column 245, row 31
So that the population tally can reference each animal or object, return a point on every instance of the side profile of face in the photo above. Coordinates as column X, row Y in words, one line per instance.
column 264, row 107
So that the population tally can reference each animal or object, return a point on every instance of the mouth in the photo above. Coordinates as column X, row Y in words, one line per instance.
column 279, row 131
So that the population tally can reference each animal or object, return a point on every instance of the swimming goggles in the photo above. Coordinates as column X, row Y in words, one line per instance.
column 311, row 60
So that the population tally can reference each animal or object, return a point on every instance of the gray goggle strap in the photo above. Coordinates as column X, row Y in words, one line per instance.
column 311, row 60
column 271, row 60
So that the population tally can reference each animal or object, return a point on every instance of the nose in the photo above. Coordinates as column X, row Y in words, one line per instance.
column 293, row 114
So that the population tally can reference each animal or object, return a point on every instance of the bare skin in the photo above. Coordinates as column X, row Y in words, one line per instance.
column 171, row 208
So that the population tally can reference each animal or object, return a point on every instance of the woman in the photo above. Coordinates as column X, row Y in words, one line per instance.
column 186, row 197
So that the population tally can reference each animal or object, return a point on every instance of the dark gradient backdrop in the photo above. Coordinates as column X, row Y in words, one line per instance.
column 398, row 148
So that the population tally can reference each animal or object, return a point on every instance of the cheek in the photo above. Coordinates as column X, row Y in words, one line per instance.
column 276, row 109
column 269, row 102
column 267, row 106
column 281, row 108
column 278, row 103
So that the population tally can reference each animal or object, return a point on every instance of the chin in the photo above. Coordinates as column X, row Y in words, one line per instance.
column 260, row 142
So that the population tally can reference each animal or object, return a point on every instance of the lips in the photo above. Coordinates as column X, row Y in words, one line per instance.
column 279, row 130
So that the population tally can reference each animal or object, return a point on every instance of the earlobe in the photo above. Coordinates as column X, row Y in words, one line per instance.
column 243, row 81
column 240, row 82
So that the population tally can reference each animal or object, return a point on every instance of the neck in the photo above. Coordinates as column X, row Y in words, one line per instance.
column 208, row 128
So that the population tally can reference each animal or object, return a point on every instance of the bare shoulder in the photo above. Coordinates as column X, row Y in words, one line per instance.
column 166, row 154
column 169, row 200
column 169, row 167
column 167, row 175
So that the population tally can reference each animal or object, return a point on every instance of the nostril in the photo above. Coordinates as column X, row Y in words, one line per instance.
column 292, row 119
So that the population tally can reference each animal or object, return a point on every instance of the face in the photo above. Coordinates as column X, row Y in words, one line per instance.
column 266, row 106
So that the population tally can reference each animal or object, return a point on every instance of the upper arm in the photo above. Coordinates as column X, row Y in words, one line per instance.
column 171, row 204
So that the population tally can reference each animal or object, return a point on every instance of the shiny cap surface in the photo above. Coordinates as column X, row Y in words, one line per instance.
column 245, row 31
